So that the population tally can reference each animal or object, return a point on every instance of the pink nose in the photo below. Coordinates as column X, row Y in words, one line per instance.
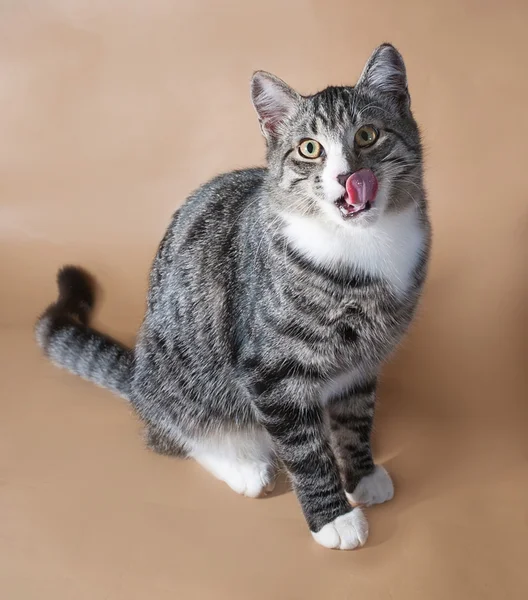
column 361, row 187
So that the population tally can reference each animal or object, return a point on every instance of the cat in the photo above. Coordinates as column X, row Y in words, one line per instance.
column 274, row 299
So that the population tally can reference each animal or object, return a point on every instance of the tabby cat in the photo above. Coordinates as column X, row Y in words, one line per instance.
column 275, row 297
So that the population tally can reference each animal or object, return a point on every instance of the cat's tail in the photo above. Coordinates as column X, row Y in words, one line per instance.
column 63, row 333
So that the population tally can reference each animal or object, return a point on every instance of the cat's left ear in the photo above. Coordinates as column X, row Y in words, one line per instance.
column 274, row 101
column 385, row 73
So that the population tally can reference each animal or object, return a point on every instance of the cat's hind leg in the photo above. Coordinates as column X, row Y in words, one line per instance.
column 244, row 459
column 164, row 442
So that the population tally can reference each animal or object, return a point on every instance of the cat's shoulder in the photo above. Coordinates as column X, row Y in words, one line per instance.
column 243, row 180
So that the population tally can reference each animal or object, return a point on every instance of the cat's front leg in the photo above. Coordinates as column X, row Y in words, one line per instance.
column 301, row 441
column 351, row 414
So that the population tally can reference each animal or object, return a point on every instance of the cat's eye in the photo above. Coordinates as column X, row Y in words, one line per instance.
column 310, row 149
column 366, row 136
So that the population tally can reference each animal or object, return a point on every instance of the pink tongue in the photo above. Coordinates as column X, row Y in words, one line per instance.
column 361, row 187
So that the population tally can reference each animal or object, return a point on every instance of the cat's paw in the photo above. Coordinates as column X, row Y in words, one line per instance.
column 345, row 532
column 250, row 479
column 373, row 489
column 247, row 465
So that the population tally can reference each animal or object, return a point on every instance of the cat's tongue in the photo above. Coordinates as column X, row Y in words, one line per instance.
column 361, row 187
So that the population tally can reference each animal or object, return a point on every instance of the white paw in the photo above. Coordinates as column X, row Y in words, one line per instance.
column 244, row 460
column 344, row 533
column 252, row 478
column 373, row 489
column 249, row 479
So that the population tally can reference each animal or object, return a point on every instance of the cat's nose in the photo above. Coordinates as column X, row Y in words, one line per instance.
column 343, row 178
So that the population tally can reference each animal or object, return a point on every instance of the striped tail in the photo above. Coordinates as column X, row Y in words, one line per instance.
column 63, row 333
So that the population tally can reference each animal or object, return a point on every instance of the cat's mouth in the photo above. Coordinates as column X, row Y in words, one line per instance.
column 347, row 210
column 361, row 188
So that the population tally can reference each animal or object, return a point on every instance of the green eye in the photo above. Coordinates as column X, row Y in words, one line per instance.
column 366, row 136
column 310, row 149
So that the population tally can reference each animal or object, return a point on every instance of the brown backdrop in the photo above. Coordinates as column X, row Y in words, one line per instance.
column 110, row 113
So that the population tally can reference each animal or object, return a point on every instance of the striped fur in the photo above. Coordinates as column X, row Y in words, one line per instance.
column 63, row 333
column 262, row 341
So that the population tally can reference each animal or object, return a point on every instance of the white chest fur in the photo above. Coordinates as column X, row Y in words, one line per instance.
column 389, row 249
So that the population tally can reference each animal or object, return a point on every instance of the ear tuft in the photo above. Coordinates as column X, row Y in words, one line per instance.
column 385, row 71
column 273, row 100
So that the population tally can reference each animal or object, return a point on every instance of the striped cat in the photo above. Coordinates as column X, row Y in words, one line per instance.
column 275, row 297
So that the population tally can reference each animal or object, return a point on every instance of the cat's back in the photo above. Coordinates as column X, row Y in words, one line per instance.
column 200, row 246
column 222, row 197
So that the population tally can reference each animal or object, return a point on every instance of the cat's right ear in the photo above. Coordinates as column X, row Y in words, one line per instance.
column 274, row 101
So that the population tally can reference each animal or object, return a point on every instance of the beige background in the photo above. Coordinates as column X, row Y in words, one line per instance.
column 110, row 113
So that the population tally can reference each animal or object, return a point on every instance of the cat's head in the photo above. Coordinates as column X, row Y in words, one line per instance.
column 347, row 154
